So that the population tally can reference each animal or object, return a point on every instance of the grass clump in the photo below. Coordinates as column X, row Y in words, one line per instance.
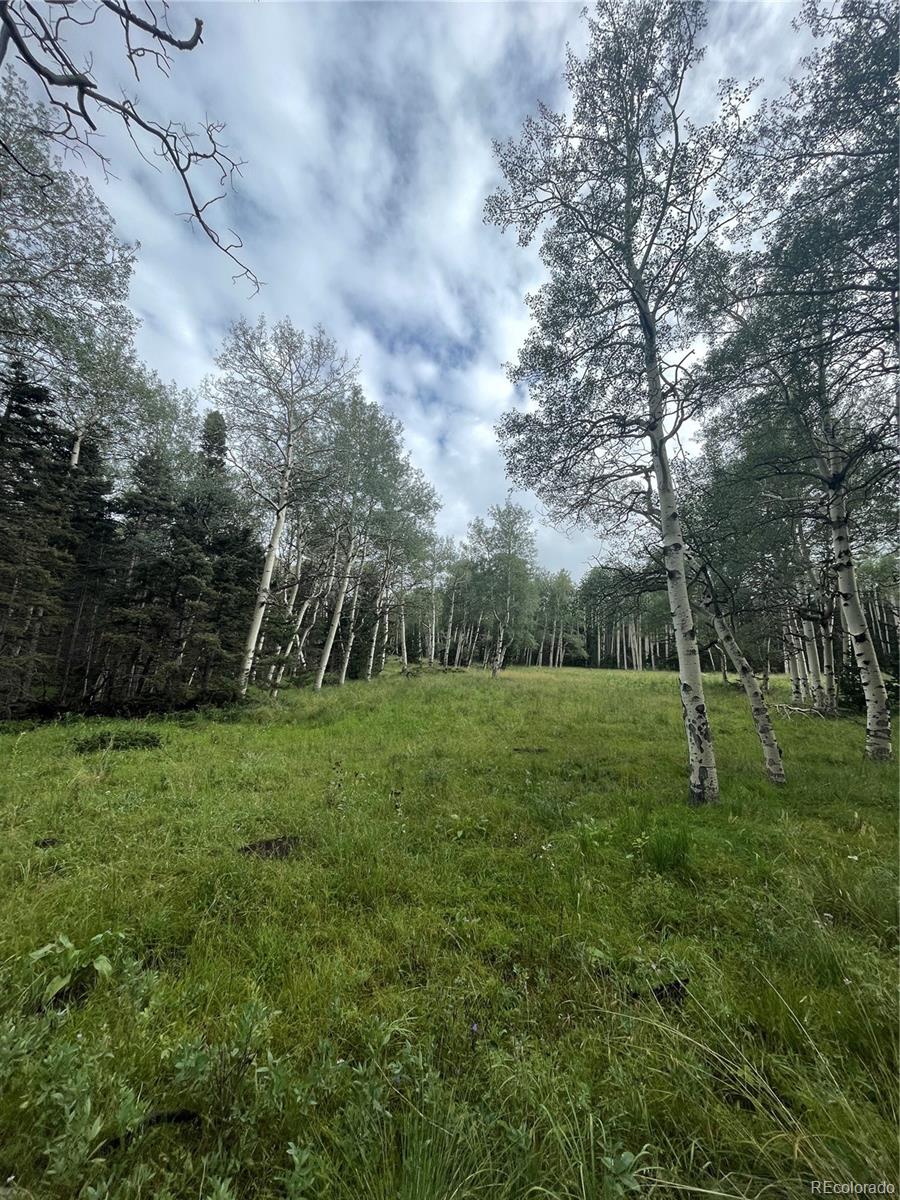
column 118, row 739
column 363, row 944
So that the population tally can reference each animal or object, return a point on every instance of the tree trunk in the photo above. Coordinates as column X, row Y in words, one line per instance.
column 475, row 636
column 351, row 634
column 335, row 618
column 449, row 628
column 758, row 707
column 878, row 715
column 292, row 644
column 498, row 654
column 433, row 636
column 262, row 595
column 703, row 777
column 403, row 655
column 75, row 454
column 814, row 671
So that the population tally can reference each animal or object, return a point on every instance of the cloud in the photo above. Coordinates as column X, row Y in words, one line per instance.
column 367, row 131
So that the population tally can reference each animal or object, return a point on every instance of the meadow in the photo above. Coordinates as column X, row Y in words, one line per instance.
column 441, row 937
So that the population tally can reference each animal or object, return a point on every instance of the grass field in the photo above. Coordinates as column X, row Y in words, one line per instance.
column 501, row 957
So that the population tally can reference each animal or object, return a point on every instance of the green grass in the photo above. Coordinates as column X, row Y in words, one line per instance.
column 446, row 991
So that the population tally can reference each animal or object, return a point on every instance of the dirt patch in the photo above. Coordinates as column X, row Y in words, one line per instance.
column 279, row 847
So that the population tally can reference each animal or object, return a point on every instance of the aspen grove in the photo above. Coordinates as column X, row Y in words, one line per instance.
column 449, row 600
column 710, row 379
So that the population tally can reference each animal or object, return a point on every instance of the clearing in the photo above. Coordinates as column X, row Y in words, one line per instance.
column 443, row 937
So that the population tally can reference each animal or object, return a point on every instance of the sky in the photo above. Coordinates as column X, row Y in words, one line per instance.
column 367, row 133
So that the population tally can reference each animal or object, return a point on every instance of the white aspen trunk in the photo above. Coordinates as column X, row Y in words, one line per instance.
column 403, row 655
column 502, row 626
column 758, row 707
column 449, row 628
column 878, row 714
column 461, row 636
column 475, row 636
column 433, row 633
column 766, row 677
column 283, row 649
column 291, row 646
column 498, row 654
column 703, row 776
column 351, row 633
column 335, row 618
column 382, row 657
column 370, row 661
column 301, row 641
column 75, row 455
column 262, row 594
column 811, row 648
column 829, row 681
column 800, row 660
column 551, row 657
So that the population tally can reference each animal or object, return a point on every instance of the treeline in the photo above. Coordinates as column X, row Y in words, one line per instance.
column 159, row 549
column 711, row 379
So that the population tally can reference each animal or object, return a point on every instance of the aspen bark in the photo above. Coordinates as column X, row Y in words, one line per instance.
column 800, row 660
column 403, row 655
column 811, row 648
column 351, row 637
column 497, row 662
column 758, row 707
column 878, row 714
column 446, row 655
column 335, row 619
column 291, row 646
column 432, row 644
column 703, row 776
column 75, row 454
column 475, row 636
column 262, row 594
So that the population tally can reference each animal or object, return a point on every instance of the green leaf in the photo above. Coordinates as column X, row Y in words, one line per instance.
column 56, row 985
column 43, row 952
column 103, row 966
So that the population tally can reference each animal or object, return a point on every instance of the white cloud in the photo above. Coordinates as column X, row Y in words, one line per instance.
column 367, row 132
